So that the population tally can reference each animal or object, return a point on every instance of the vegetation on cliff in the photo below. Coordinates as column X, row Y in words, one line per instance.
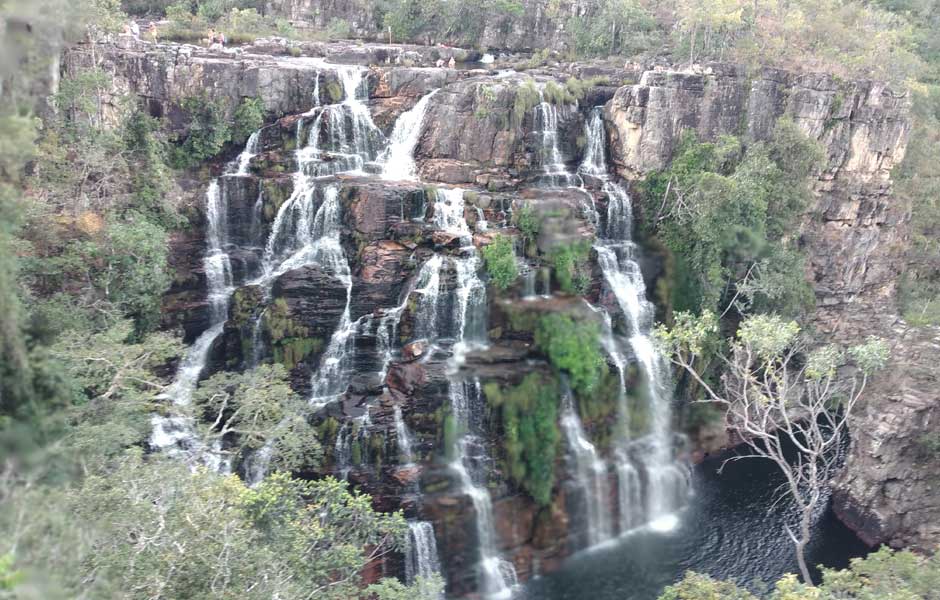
column 728, row 212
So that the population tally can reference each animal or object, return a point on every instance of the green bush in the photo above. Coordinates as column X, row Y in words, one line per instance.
column 728, row 213
column 572, row 270
column 249, row 117
column 573, row 347
column 556, row 94
column 501, row 262
column 529, row 415
column 527, row 98
column 208, row 131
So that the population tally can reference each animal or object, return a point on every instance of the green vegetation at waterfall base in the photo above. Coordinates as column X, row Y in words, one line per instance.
column 728, row 212
column 529, row 418
column 879, row 576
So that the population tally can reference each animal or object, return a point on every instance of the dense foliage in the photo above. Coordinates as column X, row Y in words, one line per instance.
column 883, row 575
column 87, row 205
column 573, row 348
column 500, row 261
column 529, row 417
column 728, row 213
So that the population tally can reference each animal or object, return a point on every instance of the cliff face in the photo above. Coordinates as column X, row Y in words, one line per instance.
column 854, row 236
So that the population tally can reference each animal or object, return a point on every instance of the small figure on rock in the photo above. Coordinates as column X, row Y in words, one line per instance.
column 439, row 63
column 135, row 30
column 452, row 63
column 153, row 33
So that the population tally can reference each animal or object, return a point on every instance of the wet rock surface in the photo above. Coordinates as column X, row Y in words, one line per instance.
column 854, row 236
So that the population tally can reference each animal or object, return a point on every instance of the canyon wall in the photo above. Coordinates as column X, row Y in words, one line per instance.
column 854, row 237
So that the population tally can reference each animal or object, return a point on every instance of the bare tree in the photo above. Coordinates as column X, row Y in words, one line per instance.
column 779, row 395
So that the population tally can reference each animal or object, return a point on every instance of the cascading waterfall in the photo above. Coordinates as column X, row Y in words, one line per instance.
column 667, row 484
column 421, row 558
column 590, row 472
column 399, row 156
column 250, row 151
column 175, row 434
column 554, row 171
column 302, row 233
column 405, row 453
column 497, row 576
column 331, row 379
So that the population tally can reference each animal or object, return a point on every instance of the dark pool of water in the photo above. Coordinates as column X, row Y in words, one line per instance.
column 726, row 532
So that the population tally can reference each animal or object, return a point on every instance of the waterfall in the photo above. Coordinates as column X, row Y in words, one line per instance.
column 429, row 295
column 590, row 474
column 331, row 379
column 497, row 576
column 405, row 453
column 421, row 558
column 449, row 211
column 554, row 171
column 342, row 450
column 595, row 157
column 667, row 481
column 175, row 434
column 251, row 150
column 399, row 156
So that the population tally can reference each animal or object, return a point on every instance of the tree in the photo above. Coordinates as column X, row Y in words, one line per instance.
column 255, row 408
column 882, row 575
column 778, row 393
column 150, row 528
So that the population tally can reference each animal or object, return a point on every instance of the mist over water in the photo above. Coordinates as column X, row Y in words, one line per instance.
column 728, row 532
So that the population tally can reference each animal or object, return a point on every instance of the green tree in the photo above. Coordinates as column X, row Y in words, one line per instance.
column 885, row 574
column 255, row 408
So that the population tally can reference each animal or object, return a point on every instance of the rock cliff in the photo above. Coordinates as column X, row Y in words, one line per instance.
column 854, row 236
column 484, row 133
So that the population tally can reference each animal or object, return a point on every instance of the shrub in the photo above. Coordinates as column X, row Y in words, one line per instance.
column 501, row 262
column 572, row 346
column 570, row 262
column 527, row 98
column 556, row 94
column 529, row 413
column 208, row 131
column 249, row 117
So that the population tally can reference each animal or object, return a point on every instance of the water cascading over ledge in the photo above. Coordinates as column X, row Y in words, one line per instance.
column 368, row 284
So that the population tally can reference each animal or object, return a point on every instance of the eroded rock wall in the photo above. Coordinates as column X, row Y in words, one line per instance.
column 854, row 237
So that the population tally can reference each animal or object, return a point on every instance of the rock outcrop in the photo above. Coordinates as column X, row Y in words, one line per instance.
column 854, row 237
column 479, row 133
